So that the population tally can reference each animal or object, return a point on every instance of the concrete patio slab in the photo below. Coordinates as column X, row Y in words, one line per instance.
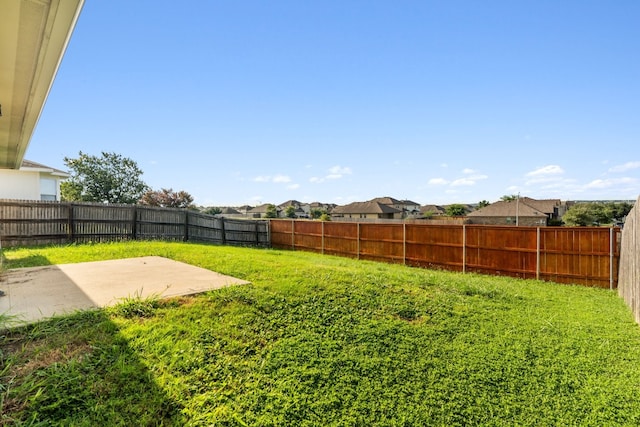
column 33, row 294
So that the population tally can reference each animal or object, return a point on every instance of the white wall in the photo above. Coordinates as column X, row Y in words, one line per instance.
column 15, row 184
column 26, row 184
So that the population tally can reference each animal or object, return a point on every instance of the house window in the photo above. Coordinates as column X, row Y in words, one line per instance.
column 48, row 189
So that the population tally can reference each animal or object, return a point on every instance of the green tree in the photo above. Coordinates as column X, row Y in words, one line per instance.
column 110, row 178
column 271, row 211
column 290, row 211
column 509, row 197
column 483, row 204
column 325, row 217
column 455, row 209
column 316, row 213
column 580, row 214
column 620, row 210
column 167, row 198
column 212, row 210
column 596, row 213
column 602, row 213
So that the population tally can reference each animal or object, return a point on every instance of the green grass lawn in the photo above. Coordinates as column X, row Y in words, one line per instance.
column 325, row 341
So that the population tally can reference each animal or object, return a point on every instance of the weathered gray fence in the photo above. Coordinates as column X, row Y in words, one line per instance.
column 28, row 223
column 629, row 276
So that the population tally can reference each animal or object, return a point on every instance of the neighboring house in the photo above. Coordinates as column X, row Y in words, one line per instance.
column 244, row 209
column 228, row 212
column 297, row 206
column 511, row 212
column 428, row 211
column 324, row 207
column 407, row 207
column 33, row 181
column 261, row 211
column 366, row 210
column 553, row 208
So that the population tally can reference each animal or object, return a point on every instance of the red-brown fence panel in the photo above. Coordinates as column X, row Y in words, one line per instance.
column 435, row 246
column 308, row 236
column 341, row 238
column 281, row 234
column 500, row 250
column 585, row 255
column 382, row 242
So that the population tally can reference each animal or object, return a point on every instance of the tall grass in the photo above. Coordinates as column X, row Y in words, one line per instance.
column 319, row 340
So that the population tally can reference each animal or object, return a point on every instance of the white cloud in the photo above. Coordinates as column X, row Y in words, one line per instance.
column 293, row 186
column 546, row 170
column 437, row 181
column 559, row 184
column 462, row 181
column 471, row 179
column 544, row 174
column 625, row 167
column 339, row 170
column 335, row 172
column 277, row 179
column 608, row 183
column 281, row 179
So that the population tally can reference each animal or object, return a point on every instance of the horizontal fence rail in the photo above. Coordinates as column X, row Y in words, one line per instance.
column 580, row 255
column 29, row 223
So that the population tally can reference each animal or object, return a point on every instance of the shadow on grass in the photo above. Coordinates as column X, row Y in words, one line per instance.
column 78, row 370
column 31, row 260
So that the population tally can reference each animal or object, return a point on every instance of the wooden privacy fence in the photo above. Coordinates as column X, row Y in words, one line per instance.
column 27, row 223
column 581, row 255
column 629, row 282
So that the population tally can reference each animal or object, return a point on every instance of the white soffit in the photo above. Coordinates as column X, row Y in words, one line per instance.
column 33, row 37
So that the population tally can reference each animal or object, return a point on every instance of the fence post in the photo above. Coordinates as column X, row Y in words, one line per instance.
column 293, row 235
column 186, row 226
column 257, row 233
column 223, row 232
column 404, row 243
column 70, row 223
column 538, row 253
column 269, row 234
column 611, row 258
column 358, row 243
column 134, row 223
column 464, row 248
column 322, row 237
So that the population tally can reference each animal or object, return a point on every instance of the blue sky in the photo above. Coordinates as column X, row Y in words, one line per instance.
column 250, row 102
